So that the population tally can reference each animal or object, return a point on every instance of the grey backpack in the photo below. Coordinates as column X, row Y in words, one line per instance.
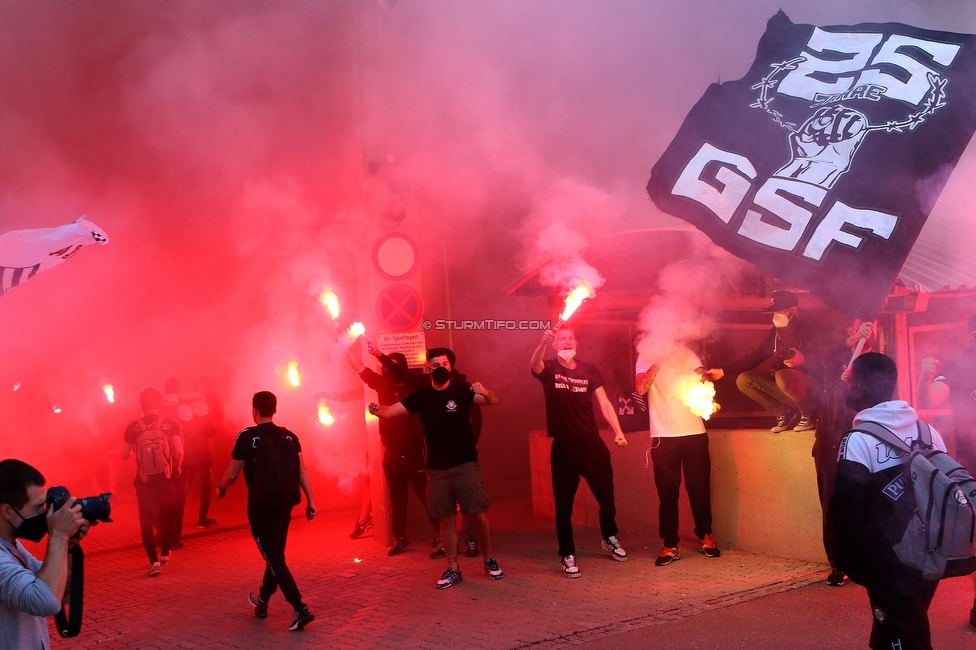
column 939, row 538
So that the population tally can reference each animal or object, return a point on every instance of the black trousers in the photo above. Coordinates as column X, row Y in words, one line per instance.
column 825, row 462
column 401, row 474
column 178, row 497
column 270, row 530
column 157, row 514
column 670, row 456
column 571, row 460
column 206, row 488
column 900, row 604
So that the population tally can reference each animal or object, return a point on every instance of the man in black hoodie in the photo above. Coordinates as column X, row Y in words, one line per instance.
column 403, row 443
column 868, row 515
column 791, row 386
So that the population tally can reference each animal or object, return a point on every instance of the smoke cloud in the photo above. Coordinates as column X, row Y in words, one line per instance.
column 225, row 148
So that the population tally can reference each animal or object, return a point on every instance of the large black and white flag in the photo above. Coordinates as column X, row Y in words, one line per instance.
column 822, row 164
column 25, row 253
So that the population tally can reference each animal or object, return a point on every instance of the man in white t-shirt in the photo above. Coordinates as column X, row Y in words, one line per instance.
column 678, row 442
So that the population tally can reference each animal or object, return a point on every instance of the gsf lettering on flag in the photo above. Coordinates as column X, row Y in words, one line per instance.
column 822, row 164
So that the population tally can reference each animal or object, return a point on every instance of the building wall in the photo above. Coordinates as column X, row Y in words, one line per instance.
column 764, row 493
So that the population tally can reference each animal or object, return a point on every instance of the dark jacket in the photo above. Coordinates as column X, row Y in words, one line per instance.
column 402, row 437
column 799, row 334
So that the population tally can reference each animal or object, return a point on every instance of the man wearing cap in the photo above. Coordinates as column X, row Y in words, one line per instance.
column 956, row 381
column 787, row 388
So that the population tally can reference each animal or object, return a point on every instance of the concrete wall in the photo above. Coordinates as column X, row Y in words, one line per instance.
column 764, row 492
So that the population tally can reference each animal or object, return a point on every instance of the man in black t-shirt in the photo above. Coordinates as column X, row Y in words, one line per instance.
column 418, row 379
column 957, row 383
column 444, row 407
column 158, row 447
column 269, row 524
column 577, row 449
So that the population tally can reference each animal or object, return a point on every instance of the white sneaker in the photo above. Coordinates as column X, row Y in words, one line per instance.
column 806, row 423
column 570, row 570
column 612, row 545
column 163, row 560
column 155, row 569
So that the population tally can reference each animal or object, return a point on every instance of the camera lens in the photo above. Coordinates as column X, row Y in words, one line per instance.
column 96, row 508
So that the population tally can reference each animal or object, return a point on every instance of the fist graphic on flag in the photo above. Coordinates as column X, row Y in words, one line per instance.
column 822, row 149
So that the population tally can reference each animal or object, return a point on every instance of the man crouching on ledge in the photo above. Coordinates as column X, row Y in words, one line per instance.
column 452, row 458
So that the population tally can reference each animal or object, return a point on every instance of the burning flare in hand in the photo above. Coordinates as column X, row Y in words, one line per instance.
column 109, row 393
column 699, row 397
column 355, row 330
column 331, row 302
column 292, row 374
column 325, row 415
column 574, row 300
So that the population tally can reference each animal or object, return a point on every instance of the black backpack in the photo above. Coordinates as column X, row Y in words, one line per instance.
column 276, row 470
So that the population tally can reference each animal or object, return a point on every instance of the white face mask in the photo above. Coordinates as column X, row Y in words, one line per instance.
column 781, row 320
column 566, row 355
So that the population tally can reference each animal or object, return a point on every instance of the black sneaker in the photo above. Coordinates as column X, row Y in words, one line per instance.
column 838, row 579
column 450, row 578
column 707, row 547
column 302, row 618
column 491, row 568
column 398, row 546
column 260, row 607
column 439, row 552
column 473, row 550
column 362, row 527
column 206, row 523
column 667, row 555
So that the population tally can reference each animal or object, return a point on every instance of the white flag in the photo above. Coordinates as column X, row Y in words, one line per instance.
column 24, row 253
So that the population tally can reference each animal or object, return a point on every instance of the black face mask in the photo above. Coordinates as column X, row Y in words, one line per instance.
column 440, row 375
column 32, row 528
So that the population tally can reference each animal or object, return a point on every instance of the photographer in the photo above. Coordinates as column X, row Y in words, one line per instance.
column 31, row 590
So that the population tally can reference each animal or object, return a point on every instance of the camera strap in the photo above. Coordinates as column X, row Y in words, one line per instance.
column 70, row 625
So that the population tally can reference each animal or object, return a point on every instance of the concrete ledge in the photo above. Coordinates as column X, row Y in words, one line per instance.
column 764, row 492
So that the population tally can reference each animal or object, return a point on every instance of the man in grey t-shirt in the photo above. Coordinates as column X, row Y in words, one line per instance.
column 31, row 590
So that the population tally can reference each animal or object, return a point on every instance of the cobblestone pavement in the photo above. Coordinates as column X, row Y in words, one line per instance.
column 364, row 599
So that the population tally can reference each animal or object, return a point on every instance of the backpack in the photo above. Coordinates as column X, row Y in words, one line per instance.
column 939, row 538
column 276, row 470
column 153, row 455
